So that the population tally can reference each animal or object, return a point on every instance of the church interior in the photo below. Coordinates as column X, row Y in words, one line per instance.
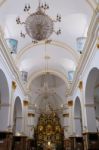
column 49, row 75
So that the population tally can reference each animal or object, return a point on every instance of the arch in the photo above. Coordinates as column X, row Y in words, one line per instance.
column 54, row 72
column 56, row 99
column 91, row 83
column 4, row 101
column 78, row 117
column 17, row 116
column 54, row 43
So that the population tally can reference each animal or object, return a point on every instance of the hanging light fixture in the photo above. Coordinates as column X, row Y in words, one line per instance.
column 38, row 25
column 45, row 90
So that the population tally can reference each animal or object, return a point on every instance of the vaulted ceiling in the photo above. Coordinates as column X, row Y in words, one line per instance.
column 62, row 50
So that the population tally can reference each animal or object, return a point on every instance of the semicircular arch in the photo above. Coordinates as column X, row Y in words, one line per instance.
column 54, row 72
column 54, row 43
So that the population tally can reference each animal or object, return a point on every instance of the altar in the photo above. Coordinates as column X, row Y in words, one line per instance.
column 48, row 133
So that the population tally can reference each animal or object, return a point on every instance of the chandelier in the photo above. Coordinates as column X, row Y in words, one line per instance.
column 38, row 25
column 46, row 91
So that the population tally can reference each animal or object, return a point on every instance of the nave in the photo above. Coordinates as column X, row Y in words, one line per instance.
column 49, row 75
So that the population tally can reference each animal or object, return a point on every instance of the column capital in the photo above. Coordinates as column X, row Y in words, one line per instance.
column 76, row 117
column 98, row 43
column 66, row 115
column 25, row 102
column 14, row 85
column 89, row 105
column 31, row 114
column 80, row 85
column 70, row 103
column 5, row 104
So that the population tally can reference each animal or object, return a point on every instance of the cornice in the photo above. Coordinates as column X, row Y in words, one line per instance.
column 88, row 49
column 55, row 43
column 9, row 61
column 92, row 3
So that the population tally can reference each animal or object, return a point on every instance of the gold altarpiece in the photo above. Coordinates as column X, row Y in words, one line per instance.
column 49, row 133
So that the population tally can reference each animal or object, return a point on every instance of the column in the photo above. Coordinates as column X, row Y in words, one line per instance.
column 91, row 118
column 66, row 122
column 78, row 130
column 13, row 88
column 83, row 112
column 25, row 104
column 31, row 116
column 70, row 106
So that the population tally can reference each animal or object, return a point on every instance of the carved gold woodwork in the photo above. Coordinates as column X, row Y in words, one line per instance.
column 80, row 85
column 70, row 103
column 66, row 115
column 14, row 85
column 26, row 102
column 49, row 129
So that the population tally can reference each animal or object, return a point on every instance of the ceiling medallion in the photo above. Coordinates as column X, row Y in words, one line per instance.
column 38, row 25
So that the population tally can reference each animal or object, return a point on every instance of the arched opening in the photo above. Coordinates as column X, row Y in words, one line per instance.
column 17, row 117
column 78, row 117
column 4, row 102
column 91, row 100
column 48, row 90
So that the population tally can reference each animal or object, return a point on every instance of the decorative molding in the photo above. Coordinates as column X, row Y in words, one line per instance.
column 70, row 103
column 18, row 117
column 89, row 105
column 2, row 2
column 5, row 105
column 55, row 43
column 89, row 51
column 98, row 43
column 76, row 117
column 65, row 127
column 14, row 85
column 92, row 3
column 55, row 72
column 66, row 115
column 97, row 118
column 31, row 126
column 25, row 102
column 97, row 86
column 31, row 114
column 98, row 46
column 80, row 85
column 10, row 64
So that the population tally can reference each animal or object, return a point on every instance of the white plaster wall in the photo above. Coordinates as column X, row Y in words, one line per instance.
column 92, row 62
column 3, row 119
column 12, row 95
column 5, row 98
column 78, row 130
